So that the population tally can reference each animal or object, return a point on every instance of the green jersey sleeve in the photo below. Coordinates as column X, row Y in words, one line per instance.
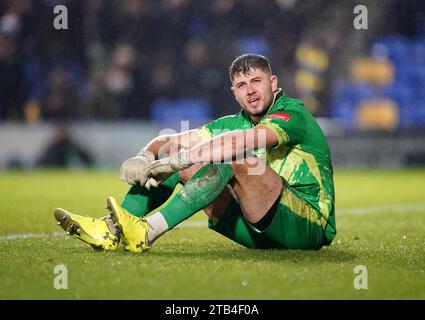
column 204, row 133
column 220, row 126
column 289, row 126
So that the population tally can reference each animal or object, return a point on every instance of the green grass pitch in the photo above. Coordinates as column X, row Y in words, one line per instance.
column 380, row 221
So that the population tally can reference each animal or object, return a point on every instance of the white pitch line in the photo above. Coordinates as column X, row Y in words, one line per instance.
column 397, row 208
column 17, row 236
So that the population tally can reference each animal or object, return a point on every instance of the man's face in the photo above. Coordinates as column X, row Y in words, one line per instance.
column 254, row 91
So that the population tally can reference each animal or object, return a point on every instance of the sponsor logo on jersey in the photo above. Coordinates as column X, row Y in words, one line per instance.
column 280, row 116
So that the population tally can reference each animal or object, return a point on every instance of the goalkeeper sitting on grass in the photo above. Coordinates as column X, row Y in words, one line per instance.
column 263, row 176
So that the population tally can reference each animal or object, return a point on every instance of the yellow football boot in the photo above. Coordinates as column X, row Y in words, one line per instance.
column 134, row 230
column 93, row 231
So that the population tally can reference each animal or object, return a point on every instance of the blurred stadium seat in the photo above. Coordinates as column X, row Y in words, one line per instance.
column 400, row 79
column 372, row 71
column 168, row 113
column 377, row 114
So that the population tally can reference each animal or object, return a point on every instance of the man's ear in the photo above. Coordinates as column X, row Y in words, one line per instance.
column 274, row 82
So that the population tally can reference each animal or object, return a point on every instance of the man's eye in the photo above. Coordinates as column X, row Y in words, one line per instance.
column 241, row 85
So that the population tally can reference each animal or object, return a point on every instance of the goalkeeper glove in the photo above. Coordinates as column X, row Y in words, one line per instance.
column 160, row 170
column 135, row 169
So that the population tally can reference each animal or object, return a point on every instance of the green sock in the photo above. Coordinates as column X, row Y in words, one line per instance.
column 204, row 187
column 139, row 201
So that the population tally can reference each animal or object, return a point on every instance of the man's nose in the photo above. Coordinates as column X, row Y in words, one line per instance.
column 251, row 89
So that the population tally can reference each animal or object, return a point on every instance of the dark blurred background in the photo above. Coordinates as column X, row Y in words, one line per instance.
column 124, row 70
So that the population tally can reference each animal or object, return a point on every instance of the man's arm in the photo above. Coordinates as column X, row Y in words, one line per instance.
column 226, row 147
column 232, row 145
column 135, row 169
column 165, row 145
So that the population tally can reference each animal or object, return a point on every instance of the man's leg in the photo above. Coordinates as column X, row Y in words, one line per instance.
column 139, row 201
column 218, row 207
column 201, row 190
column 206, row 185
column 268, row 213
column 255, row 193
column 101, row 233
column 290, row 223
column 204, row 188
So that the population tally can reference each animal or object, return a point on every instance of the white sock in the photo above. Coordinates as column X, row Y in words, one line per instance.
column 157, row 227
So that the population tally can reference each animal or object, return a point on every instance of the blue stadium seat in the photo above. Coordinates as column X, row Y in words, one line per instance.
column 343, row 104
column 399, row 48
column 419, row 50
column 413, row 116
column 169, row 113
column 362, row 92
column 34, row 78
column 402, row 94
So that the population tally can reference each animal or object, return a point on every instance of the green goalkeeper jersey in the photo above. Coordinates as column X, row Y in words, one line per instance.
column 301, row 156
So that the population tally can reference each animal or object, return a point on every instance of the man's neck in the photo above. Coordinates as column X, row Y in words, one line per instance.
column 256, row 119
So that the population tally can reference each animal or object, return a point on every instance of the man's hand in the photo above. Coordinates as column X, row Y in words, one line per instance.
column 135, row 169
column 160, row 170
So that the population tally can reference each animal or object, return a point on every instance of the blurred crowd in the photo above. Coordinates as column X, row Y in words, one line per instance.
column 118, row 58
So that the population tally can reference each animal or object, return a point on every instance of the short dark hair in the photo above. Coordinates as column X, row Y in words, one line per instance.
column 247, row 61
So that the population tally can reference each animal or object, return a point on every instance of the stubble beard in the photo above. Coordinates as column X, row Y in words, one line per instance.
column 259, row 113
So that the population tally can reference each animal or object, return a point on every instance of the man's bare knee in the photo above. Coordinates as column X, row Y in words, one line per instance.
column 249, row 166
column 209, row 211
column 216, row 209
